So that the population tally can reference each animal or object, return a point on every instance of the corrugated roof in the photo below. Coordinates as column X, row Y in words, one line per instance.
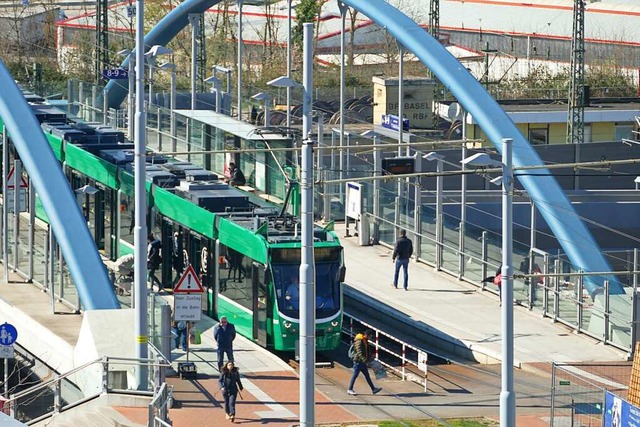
column 610, row 21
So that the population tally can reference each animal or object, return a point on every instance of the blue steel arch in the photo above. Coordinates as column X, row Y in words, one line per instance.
column 551, row 202
column 161, row 34
column 68, row 223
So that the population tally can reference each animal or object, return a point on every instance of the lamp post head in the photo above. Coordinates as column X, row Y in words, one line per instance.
column 283, row 81
column 262, row 96
column 371, row 134
column 212, row 80
column 158, row 50
column 221, row 69
column 87, row 189
column 431, row 156
column 497, row 180
column 168, row 66
column 481, row 160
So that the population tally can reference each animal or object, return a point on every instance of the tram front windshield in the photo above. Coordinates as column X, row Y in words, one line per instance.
column 288, row 291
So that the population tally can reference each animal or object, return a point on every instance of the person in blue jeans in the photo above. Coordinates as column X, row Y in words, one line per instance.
column 181, row 335
column 230, row 385
column 362, row 356
column 402, row 251
column 224, row 333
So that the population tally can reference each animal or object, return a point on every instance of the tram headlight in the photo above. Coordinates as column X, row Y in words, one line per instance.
column 286, row 324
column 334, row 323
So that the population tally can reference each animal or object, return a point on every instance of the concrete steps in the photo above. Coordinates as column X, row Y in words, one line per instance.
column 97, row 413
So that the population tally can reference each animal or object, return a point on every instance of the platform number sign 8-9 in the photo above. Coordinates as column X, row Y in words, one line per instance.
column 115, row 74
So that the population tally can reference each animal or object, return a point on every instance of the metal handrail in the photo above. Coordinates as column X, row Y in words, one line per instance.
column 423, row 356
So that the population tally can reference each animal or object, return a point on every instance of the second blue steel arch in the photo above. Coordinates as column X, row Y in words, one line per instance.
column 551, row 202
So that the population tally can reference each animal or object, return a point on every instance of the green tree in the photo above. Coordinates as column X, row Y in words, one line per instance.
column 307, row 11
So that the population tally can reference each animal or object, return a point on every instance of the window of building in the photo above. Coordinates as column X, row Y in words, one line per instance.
column 623, row 131
column 538, row 136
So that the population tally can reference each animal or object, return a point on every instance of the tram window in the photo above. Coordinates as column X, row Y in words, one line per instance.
column 127, row 218
column 236, row 282
column 285, row 277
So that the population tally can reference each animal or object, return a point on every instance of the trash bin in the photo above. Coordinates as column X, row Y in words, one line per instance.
column 363, row 231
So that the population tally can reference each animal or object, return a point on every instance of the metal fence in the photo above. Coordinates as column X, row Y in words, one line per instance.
column 578, row 392
column 410, row 363
column 85, row 383
column 466, row 250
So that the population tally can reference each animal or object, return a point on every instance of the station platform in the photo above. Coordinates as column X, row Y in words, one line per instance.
column 460, row 316
column 452, row 309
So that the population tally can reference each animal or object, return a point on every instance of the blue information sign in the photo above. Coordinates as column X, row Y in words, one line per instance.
column 392, row 122
column 8, row 334
column 619, row 412
column 115, row 74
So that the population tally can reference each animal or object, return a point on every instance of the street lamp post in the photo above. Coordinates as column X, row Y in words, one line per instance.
column 377, row 169
column 172, row 105
column 81, row 194
column 131, row 76
column 228, row 72
column 263, row 96
column 215, row 82
column 507, row 392
column 225, row 70
column 438, row 158
column 151, row 55
column 284, row 81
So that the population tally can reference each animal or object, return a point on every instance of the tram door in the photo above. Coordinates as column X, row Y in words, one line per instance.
column 259, row 303
column 90, row 198
column 168, row 241
column 198, row 252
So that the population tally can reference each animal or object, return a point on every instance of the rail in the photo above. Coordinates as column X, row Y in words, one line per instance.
column 160, row 405
column 82, row 384
column 390, row 349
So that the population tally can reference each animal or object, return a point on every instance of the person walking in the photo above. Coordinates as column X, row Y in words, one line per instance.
column 224, row 333
column 181, row 334
column 496, row 279
column 402, row 251
column 153, row 260
column 177, row 258
column 362, row 356
column 230, row 384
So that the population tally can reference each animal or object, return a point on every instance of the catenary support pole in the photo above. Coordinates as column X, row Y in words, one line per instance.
column 307, row 261
column 507, row 393
column 240, row 48
column 140, row 203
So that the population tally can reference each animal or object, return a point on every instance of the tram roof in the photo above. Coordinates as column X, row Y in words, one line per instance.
column 230, row 125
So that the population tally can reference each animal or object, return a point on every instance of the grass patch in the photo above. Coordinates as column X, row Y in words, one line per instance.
column 456, row 422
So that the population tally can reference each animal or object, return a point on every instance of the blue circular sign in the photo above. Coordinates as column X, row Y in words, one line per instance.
column 8, row 334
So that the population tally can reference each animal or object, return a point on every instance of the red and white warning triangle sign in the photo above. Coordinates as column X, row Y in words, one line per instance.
column 189, row 282
column 11, row 179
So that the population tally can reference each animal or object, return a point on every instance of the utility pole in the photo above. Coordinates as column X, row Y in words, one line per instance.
column 485, row 76
column 575, row 121
column 434, row 18
column 434, row 30
column 102, row 38
column 201, row 56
